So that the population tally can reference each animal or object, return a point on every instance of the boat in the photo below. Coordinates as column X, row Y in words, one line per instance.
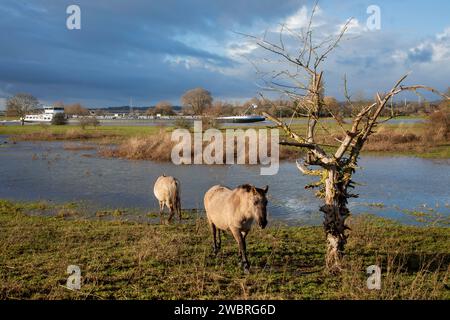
column 244, row 118
column 46, row 116
column 241, row 119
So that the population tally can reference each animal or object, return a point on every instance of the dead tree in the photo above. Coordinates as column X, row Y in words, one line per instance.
column 302, row 80
column 20, row 104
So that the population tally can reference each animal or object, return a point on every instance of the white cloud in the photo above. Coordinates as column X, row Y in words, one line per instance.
column 441, row 47
column 354, row 27
column 190, row 63
column 444, row 36
column 298, row 20
column 436, row 50
column 239, row 49
column 399, row 56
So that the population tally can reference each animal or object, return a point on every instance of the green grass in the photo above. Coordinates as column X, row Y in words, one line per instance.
column 436, row 152
column 8, row 118
column 125, row 131
column 117, row 134
column 120, row 259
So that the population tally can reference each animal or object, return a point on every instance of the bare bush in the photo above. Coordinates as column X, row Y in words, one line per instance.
column 197, row 99
column 438, row 125
column 155, row 147
column 183, row 123
column 88, row 121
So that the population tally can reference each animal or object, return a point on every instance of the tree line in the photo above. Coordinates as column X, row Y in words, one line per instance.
column 199, row 101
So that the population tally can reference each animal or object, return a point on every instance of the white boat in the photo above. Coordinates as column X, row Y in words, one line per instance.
column 241, row 119
column 46, row 116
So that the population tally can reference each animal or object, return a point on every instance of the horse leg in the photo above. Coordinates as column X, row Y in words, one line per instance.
column 172, row 212
column 242, row 249
column 161, row 211
column 214, row 231
column 219, row 242
column 179, row 208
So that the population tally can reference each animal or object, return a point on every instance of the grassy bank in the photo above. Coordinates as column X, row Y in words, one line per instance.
column 120, row 259
column 139, row 142
column 69, row 132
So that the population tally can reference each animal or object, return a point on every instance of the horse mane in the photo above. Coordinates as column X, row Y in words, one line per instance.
column 246, row 187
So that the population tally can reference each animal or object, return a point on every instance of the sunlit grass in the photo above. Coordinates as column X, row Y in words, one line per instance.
column 393, row 139
column 121, row 259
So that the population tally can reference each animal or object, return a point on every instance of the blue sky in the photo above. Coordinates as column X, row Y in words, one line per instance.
column 156, row 50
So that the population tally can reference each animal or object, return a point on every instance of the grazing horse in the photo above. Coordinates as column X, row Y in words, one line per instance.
column 235, row 210
column 167, row 191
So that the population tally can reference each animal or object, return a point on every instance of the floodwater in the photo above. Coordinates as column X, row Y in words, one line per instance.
column 46, row 171
column 169, row 122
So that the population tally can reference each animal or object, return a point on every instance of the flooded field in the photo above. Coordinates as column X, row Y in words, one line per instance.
column 169, row 122
column 50, row 171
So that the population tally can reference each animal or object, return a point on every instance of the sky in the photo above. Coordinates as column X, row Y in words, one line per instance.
column 151, row 50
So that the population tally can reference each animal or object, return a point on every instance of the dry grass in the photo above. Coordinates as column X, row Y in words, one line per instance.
column 126, row 260
column 394, row 140
column 70, row 134
column 409, row 270
column 158, row 147
column 434, row 133
column 154, row 147
column 430, row 139
column 438, row 125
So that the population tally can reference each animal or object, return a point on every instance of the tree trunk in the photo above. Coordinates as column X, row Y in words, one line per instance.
column 335, row 212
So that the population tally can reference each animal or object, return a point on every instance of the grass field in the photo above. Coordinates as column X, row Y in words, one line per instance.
column 404, row 139
column 52, row 130
column 120, row 259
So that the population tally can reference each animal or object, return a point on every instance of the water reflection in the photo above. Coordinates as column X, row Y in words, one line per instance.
column 44, row 170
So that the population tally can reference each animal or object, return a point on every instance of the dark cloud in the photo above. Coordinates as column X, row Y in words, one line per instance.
column 152, row 50
column 124, row 48
column 422, row 54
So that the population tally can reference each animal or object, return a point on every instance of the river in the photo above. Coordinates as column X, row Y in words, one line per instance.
column 46, row 171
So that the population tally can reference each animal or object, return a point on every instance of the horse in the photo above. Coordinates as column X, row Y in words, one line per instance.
column 234, row 211
column 167, row 191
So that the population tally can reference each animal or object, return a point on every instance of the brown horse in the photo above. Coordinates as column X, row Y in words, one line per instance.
column 167, row 191
column 235, row 210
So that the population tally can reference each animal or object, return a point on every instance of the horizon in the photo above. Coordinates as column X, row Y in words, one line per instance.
column 154, row 52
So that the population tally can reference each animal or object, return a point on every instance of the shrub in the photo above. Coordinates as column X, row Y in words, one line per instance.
column 210, row 122
column 438, row 128
column 183, row 123
column 154, row 147
column 59, row 119
column 88, row 121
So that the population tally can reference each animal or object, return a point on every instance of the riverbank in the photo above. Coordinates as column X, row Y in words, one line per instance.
column 139, row 142
column 120, row 259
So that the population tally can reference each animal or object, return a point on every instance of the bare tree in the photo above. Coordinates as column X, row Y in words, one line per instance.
column 198, row 99
column 163, row 107
column 20, row 105
column 302, row 80
column 76, row 109
column 332, row 106
column 220, row 108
